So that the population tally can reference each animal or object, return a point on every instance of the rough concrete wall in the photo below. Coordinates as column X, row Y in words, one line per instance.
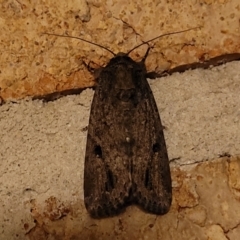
column 42, row 162
column 36, row 64
column 42, row 145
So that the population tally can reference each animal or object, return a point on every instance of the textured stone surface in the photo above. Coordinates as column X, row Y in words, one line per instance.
column 42, row 147
column 35, row 64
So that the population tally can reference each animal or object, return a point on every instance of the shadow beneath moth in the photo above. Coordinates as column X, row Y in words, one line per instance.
column 126, row 159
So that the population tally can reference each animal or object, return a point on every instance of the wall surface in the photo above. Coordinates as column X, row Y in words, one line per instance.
column 42, row 144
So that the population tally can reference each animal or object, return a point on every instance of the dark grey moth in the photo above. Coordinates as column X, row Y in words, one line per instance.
column 126, row 158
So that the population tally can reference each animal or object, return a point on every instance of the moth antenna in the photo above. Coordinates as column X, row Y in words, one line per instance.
column 84, row 40
column 146, row 54
column 163, row 35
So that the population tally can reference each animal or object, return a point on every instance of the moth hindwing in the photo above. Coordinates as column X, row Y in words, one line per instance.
column 126, row 158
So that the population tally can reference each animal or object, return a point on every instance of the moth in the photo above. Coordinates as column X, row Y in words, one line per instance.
column 126, row 160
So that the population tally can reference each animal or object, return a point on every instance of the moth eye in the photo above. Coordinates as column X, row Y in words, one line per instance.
column 98, row 151
column 156, row 147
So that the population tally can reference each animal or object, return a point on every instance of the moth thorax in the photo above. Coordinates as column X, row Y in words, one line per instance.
column 124, row 77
